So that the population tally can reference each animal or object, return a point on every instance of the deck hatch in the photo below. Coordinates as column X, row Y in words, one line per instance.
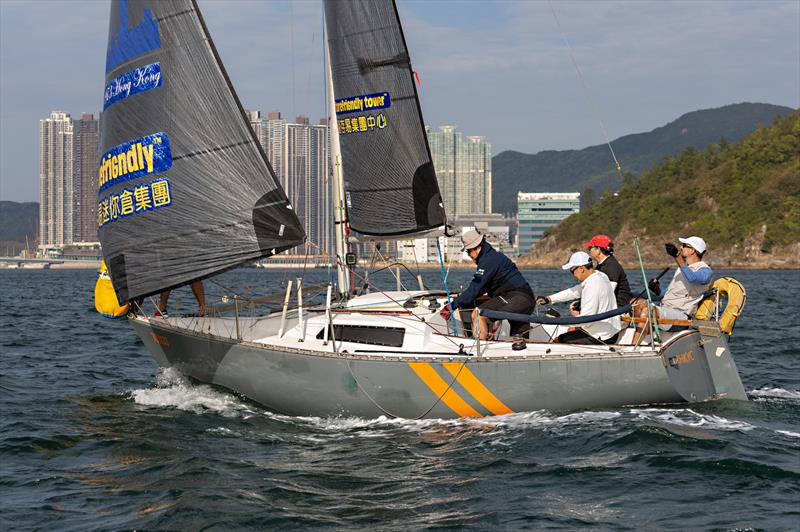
column 366, row 334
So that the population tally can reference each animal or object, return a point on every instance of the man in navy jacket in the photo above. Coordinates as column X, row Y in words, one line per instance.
column 496, row 276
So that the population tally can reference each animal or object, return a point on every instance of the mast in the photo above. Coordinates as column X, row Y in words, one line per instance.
column 339, row 213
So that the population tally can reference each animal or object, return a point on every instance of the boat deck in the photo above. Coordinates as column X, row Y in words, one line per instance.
column 386, row 325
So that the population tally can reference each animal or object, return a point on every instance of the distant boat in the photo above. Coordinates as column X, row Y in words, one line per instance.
column 188, row 193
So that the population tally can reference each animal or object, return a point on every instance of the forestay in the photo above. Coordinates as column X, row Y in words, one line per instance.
column 389, row 180
column 185, row 190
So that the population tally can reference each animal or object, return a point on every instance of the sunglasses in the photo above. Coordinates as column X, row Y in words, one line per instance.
column 572, row 270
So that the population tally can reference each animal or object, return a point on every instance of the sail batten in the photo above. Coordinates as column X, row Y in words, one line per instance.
column 389, row 180
column 186, row 189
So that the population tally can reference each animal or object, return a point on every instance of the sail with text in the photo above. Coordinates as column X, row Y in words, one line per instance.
column 185, row 191
column 389, row 181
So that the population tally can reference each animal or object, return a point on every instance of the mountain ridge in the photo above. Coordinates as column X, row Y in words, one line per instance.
column 742, row 198
column 591, row 170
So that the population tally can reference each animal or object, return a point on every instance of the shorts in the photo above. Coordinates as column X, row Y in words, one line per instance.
column 669, row 313
column 520, row 301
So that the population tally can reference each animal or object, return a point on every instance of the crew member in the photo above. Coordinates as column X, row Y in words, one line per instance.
column 690, row 282
column 596, row 296
column 199, row 294
column 496, row 276
column 601, row 250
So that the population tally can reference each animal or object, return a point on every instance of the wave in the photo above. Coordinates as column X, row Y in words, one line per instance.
column 689, row 418
column 174, row 390
column 489, row 424
column 775, row 392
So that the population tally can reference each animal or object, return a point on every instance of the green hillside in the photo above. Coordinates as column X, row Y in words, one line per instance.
column 593, row 167
column 725, row 193
column 18, row 220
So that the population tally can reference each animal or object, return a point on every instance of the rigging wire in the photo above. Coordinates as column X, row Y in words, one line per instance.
column 585, row 87
column 291, row 47
column 310, row 72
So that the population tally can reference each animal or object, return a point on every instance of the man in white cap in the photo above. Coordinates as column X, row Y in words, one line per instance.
column 690, row 282
column 496, row 276
column 596, row 295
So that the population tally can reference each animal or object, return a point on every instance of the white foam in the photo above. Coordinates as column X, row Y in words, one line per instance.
column 222, row 431
column 689, row 418
column 788, row 433
column 362, row 427
column 174, row 390
column 776, row 392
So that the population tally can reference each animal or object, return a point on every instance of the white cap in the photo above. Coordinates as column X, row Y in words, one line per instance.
column 696, row 242
column 471, row 239
column 579, row 258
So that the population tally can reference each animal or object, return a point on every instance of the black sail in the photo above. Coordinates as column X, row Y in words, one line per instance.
column 390, row 184
column 185, row 190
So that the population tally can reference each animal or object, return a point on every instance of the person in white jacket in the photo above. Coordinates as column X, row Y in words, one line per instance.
column 596, row 294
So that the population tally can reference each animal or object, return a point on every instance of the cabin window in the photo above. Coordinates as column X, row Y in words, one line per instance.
column 365, row 334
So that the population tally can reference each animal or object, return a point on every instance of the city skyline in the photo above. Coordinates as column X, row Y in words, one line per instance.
column 298, row 151
column 498, row 68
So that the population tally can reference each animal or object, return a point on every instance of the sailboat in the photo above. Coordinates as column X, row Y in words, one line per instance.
column 187, row 193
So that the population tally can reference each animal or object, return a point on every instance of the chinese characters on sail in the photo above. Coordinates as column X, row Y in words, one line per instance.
column 133, row 201
column 361, row 123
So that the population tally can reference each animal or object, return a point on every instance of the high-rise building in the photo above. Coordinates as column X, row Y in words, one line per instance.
column 536, row 212
column 56, row 188
column 86, row 146
column 259, row 126
column 307, row 182
column 299, row 153
column 463, row 169
column 275, row 137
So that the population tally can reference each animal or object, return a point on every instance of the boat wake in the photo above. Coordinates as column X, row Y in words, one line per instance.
column 173, row 389
column 689, row 418
column 779, row 393
column 539, row 418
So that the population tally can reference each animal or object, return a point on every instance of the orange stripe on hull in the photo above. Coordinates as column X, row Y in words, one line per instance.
column 440, row 388
column 470, row 382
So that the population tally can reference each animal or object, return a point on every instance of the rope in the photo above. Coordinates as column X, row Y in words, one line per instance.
column 654, row 332
column 291, row 55
column 396, row 276
column 447, row 290
column 585, row 88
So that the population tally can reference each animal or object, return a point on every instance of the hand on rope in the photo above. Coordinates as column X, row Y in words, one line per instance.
column 542, row 300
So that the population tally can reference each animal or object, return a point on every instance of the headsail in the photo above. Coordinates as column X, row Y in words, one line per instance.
column 185, row 189
column 389, row 180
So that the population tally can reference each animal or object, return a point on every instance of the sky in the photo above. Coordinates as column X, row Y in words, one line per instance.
column 498, row 69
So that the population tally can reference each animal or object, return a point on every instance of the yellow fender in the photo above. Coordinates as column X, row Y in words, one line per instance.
column 105, row 299
column 737, row 296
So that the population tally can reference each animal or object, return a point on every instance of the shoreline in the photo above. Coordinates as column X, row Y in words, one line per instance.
column 421, row 267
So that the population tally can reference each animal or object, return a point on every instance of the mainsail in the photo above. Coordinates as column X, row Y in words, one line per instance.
column 389, row 181
column 185, row 190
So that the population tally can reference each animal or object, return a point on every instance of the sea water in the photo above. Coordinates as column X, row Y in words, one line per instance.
column 93, row 435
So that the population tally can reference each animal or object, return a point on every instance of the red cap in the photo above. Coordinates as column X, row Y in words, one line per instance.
column 601, row 241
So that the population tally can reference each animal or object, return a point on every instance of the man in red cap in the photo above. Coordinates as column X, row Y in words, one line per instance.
column 601, row 249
